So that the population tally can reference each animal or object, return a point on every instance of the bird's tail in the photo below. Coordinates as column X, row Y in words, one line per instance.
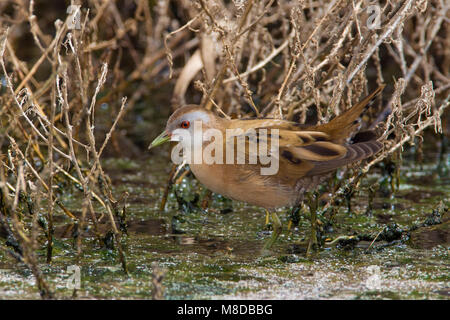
column 342, row 126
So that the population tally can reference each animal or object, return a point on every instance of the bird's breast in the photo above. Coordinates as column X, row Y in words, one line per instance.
column 237, row 183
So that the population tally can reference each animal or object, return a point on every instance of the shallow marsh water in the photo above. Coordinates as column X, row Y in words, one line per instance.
column 217, row 253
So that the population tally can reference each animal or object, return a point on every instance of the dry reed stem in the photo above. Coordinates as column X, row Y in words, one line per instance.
column 302, row 60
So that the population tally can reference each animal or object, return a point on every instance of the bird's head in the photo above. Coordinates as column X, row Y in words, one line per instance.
column 182, row 123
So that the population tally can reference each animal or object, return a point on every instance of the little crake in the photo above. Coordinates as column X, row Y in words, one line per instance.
column 306, row 155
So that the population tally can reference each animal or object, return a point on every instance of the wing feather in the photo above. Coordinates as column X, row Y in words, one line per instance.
column 301, row 153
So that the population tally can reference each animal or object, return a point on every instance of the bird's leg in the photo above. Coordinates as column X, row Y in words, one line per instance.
column 313, row 200
column 267, row 219
column 277, row 228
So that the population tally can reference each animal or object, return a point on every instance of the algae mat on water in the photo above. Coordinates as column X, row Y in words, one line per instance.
column 216, row 253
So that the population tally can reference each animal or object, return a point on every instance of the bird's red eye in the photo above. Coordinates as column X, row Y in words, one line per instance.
column 185, row 124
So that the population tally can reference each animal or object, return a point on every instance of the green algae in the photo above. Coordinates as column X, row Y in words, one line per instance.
column 216, row 253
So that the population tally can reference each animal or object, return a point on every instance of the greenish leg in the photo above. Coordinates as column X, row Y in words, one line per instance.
column 289, row 225
column 313, row 205
column 277, row 228
column 267, row 218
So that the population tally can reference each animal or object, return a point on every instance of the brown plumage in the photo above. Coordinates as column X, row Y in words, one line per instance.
column 306, row 155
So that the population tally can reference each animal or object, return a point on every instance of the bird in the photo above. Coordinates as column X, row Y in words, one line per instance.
column 306, row 154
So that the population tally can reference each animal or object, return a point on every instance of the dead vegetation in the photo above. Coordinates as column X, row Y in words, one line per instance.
column 299, row 60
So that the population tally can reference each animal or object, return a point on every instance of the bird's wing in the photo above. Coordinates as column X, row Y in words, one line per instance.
column 308, row 151
column 299, row 153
